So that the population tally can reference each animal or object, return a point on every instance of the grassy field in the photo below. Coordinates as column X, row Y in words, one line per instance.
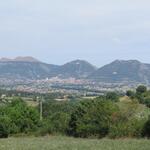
column 66, row 143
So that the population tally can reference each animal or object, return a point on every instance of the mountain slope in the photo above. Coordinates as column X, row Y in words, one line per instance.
column 123, row 71
column 19, row 59
column 75, row 69
column 117, row 71
column 25, row 70
column 31, row 68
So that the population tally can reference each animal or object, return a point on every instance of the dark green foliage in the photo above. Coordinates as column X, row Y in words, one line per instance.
column 52, row 107
column 147, row 102
column 91, row 118
column 113, row 96
column 130, row 93
column 141, row 89
column 19, row 118
column 104, row 116
column 4, row 126
column 56, row 117
column 55, row 124
column 23, row 117
column 59, row 122
column 143, row 95
column 146, row 131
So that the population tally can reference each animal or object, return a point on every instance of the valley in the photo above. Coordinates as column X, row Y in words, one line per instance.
column 31, row 75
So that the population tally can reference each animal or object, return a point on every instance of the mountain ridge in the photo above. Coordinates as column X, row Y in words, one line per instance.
column 76, row 68
column 29, row 67
column 116, row 71
column 19, row 59
column 123, row 71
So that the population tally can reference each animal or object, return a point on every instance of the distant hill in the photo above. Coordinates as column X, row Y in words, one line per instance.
column 20, row 59
column 25, row 68
column 123, row 71
column 75, row 69
column 117, row 71
column 31, row 68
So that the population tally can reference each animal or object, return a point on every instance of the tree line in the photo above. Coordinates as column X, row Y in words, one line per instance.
column 104, row 116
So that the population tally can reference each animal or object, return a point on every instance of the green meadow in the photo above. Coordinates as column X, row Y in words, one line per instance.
column 68, row 143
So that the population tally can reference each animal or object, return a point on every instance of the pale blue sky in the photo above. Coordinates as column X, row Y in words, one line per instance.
column 57, row 31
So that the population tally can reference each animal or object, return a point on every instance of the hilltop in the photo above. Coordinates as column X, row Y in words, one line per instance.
column 117, row 71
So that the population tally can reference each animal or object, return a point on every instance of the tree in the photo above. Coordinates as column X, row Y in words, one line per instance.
column 141, row 89
column 22, row 117
column 4, row 126
column 59, row 122
column 113, row 96
column 91, row 118
column 51, row 107
column 146, row 131
column 130, row 93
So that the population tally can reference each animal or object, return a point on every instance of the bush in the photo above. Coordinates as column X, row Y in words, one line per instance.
column 122, row 129
column 55, row 124
column 91, row 118
column 24, row 119
column 127, row 122
column 18, row 118
column 147, row 102
column 44, row 128
column 141, row 89
column 52, row 107
column 59, row 122
column 146, row 131
column 112, row 96
column 4, row 126
column 143, row 95
column 130, row 94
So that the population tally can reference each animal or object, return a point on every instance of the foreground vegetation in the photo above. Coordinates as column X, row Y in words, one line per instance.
column 112, row 116
column 65, row 143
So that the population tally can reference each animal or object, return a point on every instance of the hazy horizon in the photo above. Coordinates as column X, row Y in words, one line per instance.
column 59, row 31
column 32, row 57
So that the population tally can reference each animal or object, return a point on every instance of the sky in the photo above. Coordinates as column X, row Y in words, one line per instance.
column 58, row 31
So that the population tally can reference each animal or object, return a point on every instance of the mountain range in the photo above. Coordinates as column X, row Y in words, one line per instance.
column 123, row 71
column 117, row 71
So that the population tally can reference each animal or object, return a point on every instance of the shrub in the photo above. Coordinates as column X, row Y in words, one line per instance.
column 122, row 129
column 18, row 118
column 130, row 93
column 146, row 130
column 141, row 89
column 44, row 128
column 52, row 107
column 59, row 122
column 147, row 102
column 91, row 118
column 127, row 122
column 24, row 119
column 112, row 96
column 4, row 126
